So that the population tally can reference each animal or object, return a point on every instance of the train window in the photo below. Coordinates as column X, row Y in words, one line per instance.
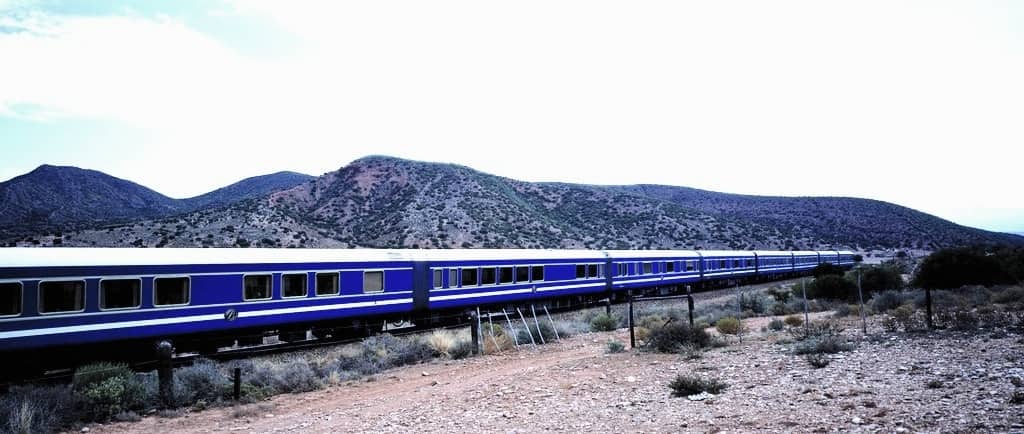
column 10, row 298
column 723, row 264
column 505, row 275
column 120, row 293
column 581, row 271
column 536, row 273
column 256, row 287
column 170, row 291
column 469, row 277
column 522, row 274
column 438, row 277
column 453, row 278
column 670, row 267
column 327, row 284
column 487, row 276
column 735, row 263
column 648, row 268
column 64, row 296
column 690, row 266
column 373, row 281
column 294, row 285
column 592, row 270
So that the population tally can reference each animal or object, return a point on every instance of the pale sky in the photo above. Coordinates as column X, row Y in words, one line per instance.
column 919, row 103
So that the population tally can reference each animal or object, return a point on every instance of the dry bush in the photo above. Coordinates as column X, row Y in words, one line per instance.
column 729, row 326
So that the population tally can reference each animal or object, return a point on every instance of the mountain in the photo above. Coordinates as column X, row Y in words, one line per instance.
column 61, row 198
column 246, row 189
column 387, row 202
column 56, row 196
column 841, row 220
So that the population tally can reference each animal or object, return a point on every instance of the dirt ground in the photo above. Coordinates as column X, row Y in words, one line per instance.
column 936, row 382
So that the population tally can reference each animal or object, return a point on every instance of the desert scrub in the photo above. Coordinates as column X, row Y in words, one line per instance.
column 495, row 339
column 729, row 326
column 604, row 323
column 776, row 325
column 817, row 360
column 615, row 346
column 544, row 331
column 202, row 381
column 33, row 409
column 450, row 344
column 686, row 385
column 794, row 321
column 670, row 338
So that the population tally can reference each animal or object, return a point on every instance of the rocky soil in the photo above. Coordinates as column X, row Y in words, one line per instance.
column 927, row 382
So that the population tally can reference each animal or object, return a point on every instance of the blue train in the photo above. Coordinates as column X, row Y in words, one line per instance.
column 72, row 303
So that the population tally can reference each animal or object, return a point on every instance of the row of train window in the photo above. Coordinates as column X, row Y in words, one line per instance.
column 722, row 264
column 488, row 275
column 69, row 295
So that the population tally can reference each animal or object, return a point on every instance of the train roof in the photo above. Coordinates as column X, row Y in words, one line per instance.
column 773, row 252
column 16, row 257
column 730, row 253
column 652, row 254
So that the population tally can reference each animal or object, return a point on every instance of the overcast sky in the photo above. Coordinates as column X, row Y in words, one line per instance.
column 920, row 103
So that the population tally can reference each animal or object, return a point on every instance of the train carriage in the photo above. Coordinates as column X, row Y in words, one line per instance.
column 118, row 302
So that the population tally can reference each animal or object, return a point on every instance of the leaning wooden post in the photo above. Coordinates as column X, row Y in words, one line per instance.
column 165, row 372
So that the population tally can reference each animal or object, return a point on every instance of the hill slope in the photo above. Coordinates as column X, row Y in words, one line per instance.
column 61, row 198
column 56, row 196
column 391, row 203
column 246, row 189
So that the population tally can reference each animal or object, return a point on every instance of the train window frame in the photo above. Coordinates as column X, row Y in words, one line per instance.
column 670, row 267
column 691, row 266
column 373, row 291
column 453, row 278
column 39, row 297
column 270, row 284
column 520, row 276
column 188, row 290
column 648, row 268
column 138, row 294
column 474, row 271
column 305, row 285
column 533, row 273
column 505, row 279
column 316, row 284
column 437, row 278
column 488, row 276
column 592, row 268
column 21, row 298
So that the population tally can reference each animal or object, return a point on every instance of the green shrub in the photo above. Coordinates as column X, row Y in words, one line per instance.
column 832, row 287
column 957, row 267
column 780, row 294
column 729, row 326
column 776, row 325
column 670, row 338
column 615, row 346
column 108, row 389
column 875, row 279
column 686, row 385
column 756, row 303
column 604, row 323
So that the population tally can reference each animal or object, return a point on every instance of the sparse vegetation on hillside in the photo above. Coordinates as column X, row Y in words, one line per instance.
column 392, row 203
